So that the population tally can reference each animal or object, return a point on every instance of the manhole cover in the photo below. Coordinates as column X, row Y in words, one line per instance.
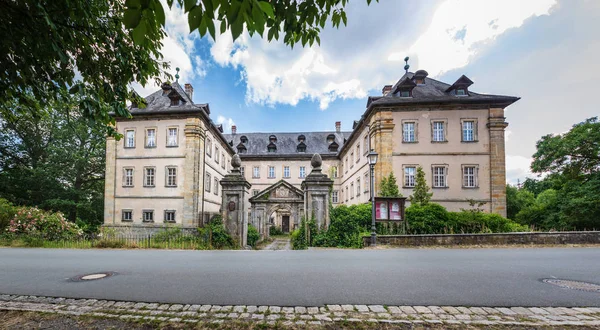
column 573, row 285
column 92, row 277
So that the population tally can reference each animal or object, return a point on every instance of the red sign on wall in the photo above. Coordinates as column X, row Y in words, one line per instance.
column 389, row 208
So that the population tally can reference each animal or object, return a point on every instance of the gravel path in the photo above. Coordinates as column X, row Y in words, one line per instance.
column 281, row 244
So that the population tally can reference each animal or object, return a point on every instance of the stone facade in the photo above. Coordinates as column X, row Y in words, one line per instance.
column 454, row 134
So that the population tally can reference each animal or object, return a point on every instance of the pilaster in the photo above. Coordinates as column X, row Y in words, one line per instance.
column 496, row 126
column 109, row 181
column 193, row 180
column 233, row 208
column 381, row 131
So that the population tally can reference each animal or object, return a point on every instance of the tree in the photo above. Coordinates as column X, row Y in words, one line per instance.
column 420, row 195
column 517, row 199
column 51, row 46
column 389, row 187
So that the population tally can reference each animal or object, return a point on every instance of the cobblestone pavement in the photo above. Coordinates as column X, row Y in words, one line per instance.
column 307, row 315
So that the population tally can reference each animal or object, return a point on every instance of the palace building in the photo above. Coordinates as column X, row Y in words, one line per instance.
column 168, row 166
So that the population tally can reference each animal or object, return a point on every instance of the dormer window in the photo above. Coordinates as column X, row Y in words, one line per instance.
column 175, row 101
column 461, row 92
column 333, row 147
column 420, row 76
column 243, row 139
column 301, row 147
column 404, row 88
column 273, row 139
column 330, row 138
column 272, row 147
column 241, row 149
column 404, row 93
column 460, row 86
column 301, row 138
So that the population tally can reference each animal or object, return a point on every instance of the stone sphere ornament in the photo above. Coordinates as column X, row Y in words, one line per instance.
column 236, row 162
column 316, row 161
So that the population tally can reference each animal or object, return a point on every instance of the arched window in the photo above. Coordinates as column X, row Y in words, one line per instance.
column 272, row 147
column 330, row 138
column 301, row 138
column 272, row 139
column 243, row 139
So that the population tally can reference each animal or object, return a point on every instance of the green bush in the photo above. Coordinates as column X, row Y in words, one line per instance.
column 275, row 231
column 7, row 213
column 217, row 235
column 430, row 218
column 33, row 222
column 299, row 241
column 253, row 235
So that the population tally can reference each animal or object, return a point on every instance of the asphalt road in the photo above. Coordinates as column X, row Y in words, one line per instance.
column 457, row 277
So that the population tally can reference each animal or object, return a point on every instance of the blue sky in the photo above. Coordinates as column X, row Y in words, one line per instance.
column 544, row 51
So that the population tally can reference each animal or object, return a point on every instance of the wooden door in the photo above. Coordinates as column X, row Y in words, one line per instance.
column 285, row 223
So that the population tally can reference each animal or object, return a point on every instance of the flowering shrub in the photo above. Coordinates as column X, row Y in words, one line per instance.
column 33, row 222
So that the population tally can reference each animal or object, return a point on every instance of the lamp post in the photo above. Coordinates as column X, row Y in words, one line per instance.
column 372, row 161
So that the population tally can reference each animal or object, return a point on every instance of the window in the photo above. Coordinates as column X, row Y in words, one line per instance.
column 256, row 172
column 366, row 144
column 334, row 197
column 271, row 172
column 301, row 147
column 470, row 176
column 461, row 92
column 169, row 216
column 286, row 171
column 150, row 137
column 334, row 172
column 367, row 187
column 223, row 160
column 346, row 165
column 209, row 147
column 352, row 159
column 207, row 182
column 358, row 187
column 347, row 193
column 410, row 176
column 172, row 137
column 127, row 215
column 128, row 177
column 302, row 172
column 174, row 102
column 150, row 174
column 129, row 138
column 148, row 216
column 358, row 152
column 272, row 148
column 409, row 132
column 171, row 177
column 468, row 130
column 216, row 154
column 439, row 131
column 254, row 192
column 243, row 171
column 404, row 93
column 243, row 139
column 352, row 190
column 439, row 176
column 216, row 191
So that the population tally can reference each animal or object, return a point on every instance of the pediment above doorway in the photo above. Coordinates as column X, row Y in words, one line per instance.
column 281, row 190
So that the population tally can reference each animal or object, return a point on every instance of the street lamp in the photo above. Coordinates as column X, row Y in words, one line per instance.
column 372, row 161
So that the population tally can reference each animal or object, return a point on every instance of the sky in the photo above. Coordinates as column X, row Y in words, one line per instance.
column 544, row 51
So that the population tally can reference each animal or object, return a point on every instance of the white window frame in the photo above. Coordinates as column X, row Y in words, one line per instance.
column 151, row 177
column 286, row 172
column 223, row 160
column 410, row 179
column 127, row 140
column 169, row 214
column 216, row 154
column 334, row 197
column 207, row 182
column 216, row 182
column 463, row 130
column 147, row 215
column 438, row 134
column 406, row 132
column 209, row 147
column 172, row 140
column 358, row 153
column 256, row 172
column 366, row 144
column 347, row 193
column 127, row 178
column 302, row 172
column 466, row 182
column 352, row 159
column 151, row 143
column 171, row 179
column 243, row 171
column 351, row 190
column 357, row 187
column 130, row 212
column 367, row 186
column 439, row 180
column 271, row 172
column 334, row 172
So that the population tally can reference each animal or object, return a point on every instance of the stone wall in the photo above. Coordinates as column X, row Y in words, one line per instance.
column 146, row 229
column 574, row 237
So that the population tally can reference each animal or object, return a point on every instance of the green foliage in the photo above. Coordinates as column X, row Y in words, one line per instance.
column 389, row 186
column 543, row 213
column 253, row 236
column 433, row 218
column 347, row 226
column 300, row 240
column 31, row 222
column 420, row 194
column 275, row 231
column 7, row 213
column 516, row 200
column 217, row 235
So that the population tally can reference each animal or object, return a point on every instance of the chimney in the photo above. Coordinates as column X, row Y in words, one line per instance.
column 189, row 90
column 386, row 89
column 338, row 126
column 233, row 129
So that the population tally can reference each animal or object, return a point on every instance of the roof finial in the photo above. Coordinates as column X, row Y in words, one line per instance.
column 177, row 75
column 406, row 66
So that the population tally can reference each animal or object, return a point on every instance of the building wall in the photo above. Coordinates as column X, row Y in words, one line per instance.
column 354, row 185
column 217, row 167
column 454, row 154
column 138, row 197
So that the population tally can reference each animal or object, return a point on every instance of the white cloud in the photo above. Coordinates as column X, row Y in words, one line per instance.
column 364, row 55
column 517, row 168
column 227, row 123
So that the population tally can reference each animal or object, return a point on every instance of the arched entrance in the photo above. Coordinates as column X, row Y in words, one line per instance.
column 280, row 205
